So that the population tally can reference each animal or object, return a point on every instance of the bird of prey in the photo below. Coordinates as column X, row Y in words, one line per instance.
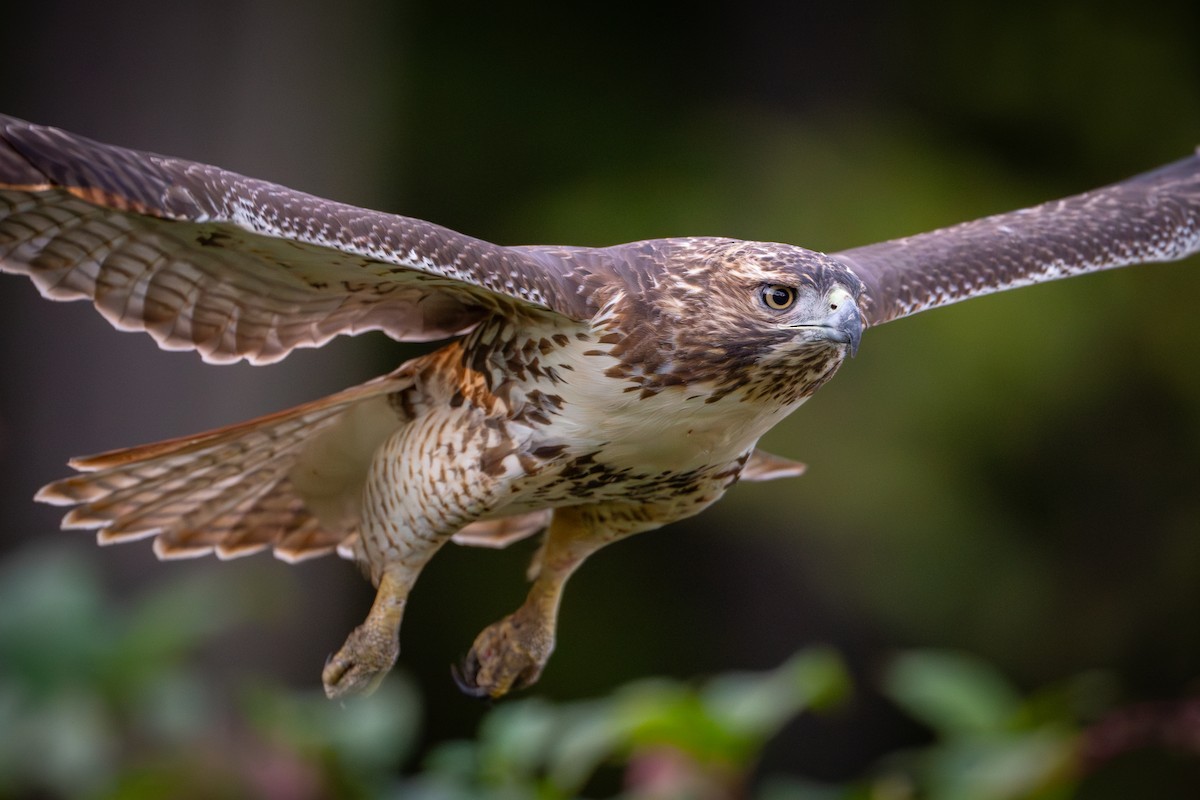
column 585, row 394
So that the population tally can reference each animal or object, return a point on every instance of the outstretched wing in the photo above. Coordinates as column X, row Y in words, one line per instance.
column 235, row 268
column 1151, row 217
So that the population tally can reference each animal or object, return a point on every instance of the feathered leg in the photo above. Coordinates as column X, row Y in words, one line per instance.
column 409, row 510
column 510, row 654
column 372, row 648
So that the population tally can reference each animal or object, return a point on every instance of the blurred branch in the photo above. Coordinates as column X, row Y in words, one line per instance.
column 1171, row 725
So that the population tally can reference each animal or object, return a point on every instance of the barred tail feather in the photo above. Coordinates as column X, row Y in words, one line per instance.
column 230, row 491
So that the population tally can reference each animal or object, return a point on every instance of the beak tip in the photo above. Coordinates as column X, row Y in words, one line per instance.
column 852, row 325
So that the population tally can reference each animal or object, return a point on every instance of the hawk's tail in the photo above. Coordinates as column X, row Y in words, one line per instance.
column 288, row 480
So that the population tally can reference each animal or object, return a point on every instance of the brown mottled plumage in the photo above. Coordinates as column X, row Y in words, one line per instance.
column 592, row 392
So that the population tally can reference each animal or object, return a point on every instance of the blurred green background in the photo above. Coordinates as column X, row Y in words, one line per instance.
column 1016, row 478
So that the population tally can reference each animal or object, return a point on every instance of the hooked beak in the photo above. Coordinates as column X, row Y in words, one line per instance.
column 844, row 323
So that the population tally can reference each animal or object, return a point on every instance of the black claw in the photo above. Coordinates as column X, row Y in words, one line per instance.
column 464, row 676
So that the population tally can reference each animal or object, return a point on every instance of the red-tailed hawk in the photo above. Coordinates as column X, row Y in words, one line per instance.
column 589, row 392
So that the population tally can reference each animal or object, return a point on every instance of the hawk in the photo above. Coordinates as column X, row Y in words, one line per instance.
column 585, row 394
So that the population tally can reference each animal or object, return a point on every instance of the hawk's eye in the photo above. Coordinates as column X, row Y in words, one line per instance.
column 778, row 297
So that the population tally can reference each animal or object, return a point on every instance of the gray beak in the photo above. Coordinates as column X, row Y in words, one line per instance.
column 845, row 323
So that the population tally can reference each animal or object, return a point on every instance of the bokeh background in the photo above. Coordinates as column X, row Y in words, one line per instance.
column 1017, row 477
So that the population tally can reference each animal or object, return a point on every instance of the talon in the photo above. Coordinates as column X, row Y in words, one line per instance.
column 507, row 655
column 362, row 663
column 465, row 674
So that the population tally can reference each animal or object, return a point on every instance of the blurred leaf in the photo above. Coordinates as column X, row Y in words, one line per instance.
column 1028, row 765
column 951, row 692
column 731, row 717
column 52, row 623
column 654, row 714
column 797, row 789
column 758, row 705
column 367, row 736
column 171, row 706
column 514, row 739
column 67, row 744
column 711, row 734
column 455, row 759
column 1082, row 697
column 591, row 735
column 180, row 613
column 991, row 745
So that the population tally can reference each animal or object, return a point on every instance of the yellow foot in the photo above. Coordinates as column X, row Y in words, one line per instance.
column 508, row 655
column 363, row 662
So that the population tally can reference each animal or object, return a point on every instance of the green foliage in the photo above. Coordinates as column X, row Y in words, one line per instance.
column 98, row 700
column 990, row 746
column 952, row 694
column 707, row 737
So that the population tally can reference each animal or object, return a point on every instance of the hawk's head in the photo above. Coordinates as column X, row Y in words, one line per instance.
column 774, row 318
column 787, row 298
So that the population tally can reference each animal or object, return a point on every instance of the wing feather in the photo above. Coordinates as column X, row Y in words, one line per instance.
column 1152, row 217
column 205, row 259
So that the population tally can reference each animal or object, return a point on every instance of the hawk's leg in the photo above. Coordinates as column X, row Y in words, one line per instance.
column 408, row 512
column 510, row 654
column 371, row 649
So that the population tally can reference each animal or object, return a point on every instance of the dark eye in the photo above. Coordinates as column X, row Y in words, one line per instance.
column 778, row 297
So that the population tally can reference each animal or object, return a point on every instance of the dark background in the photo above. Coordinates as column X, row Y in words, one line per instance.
column 1017, row 477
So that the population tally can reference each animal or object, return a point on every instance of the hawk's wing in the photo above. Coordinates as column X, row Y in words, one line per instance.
column 1152, row 217
column 233, row 267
